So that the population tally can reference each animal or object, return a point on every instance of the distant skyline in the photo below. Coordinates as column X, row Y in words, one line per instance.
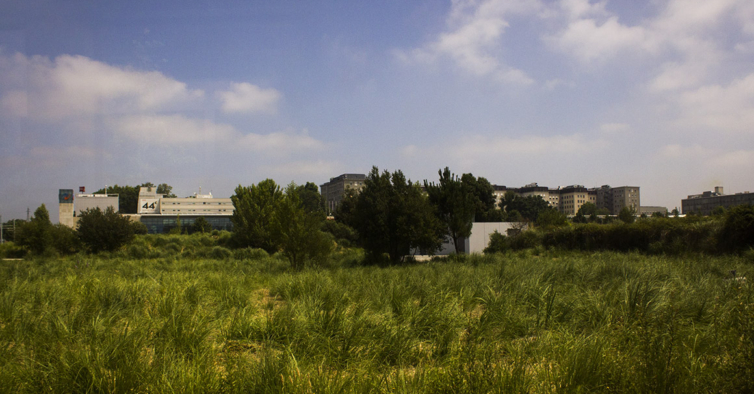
column 213, row 94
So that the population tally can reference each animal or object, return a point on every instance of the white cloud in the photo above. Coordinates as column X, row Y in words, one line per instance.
column 245, row 97
column 473, row 39
column 614, row 128
column 591, row 41
column 172, row 130
column 717, row 108
column 74, row 86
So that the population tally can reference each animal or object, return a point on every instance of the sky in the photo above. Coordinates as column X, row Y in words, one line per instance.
column 215, row 94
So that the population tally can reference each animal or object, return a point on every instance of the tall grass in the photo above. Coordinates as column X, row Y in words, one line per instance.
column 519, row 322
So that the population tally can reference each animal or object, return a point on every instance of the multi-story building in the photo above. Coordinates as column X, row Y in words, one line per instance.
column 552, row 196
column 160, row 213
column 704, row 203
column 334, row 190
column 573, row 197
column 616, row 198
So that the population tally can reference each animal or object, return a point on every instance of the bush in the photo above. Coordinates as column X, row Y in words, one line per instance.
column 65, row 239
column 36, row 235
column 220, row 253
column 104, row 231
column 499, row 243
column 737, row 233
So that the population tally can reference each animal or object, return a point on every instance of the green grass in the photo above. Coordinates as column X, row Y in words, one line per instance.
column 539, row 322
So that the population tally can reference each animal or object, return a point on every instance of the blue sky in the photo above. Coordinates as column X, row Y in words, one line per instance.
column 656, row 93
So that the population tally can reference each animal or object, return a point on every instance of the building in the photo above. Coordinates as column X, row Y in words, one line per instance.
column 651, row 210
column 70, row 207
column 161, row 214
column 334, row 191
column 573, row 197
column 704, row 203
column 614, row 199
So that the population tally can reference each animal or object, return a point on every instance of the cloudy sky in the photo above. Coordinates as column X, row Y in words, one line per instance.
column 654, row 93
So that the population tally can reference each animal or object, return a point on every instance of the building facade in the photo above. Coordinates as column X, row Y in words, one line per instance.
column 161, row 214
column 334, row 191
column 614, row 199
column 704, row 203
column 573, row 197
column 70, row 207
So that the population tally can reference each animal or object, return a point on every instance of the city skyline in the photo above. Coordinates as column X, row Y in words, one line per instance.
column 658, row 94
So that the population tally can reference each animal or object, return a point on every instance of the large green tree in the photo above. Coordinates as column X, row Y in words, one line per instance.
column 296, row 230
column 484, row 195
column 36, row 234
column 393, row 216
column 529, row 207
column 105, row 231
column 255, row 208
column 310, row 198
column 455, row 205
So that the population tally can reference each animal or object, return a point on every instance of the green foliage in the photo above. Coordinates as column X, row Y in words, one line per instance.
column 737, row 232
column 164, row 189
column 310, row 198
column 104, row 231
column 556, row 322
column 499, row 243
column 455, row 204
column 200, row 225
column 297, row 231
column 128, row 196
column 627, row 215
column 392, row 216
column 37, row 234
column 343, row 233
column 551, row 218
column 484, row 196
column 587, row 209
column 65, row 240
column 255, row 208
column 528, row 207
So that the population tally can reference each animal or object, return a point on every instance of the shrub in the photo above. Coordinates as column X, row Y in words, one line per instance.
column 499, row 243
column 220, row 253
column 104, row 231
column 36, row 235
column 737, row 233
column 65, row 239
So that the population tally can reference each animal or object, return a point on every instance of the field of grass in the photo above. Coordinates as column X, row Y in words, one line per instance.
column 244, row 322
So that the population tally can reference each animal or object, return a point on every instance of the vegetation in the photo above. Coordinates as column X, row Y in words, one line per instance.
column 532, row 321
column 105, row 231
column 455, row 206
column 393, row 217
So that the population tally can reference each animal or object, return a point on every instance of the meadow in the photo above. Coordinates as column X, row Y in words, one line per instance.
column 181, row 314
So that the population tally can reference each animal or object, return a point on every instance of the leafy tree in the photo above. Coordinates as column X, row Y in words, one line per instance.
column 65, row 239
column 718, row 211
column 587, row 209
column 201, row 225
column 392, row 216
column 737, row 232
column 297, row 230
column 255, row 208
column 499, row 243
column 455, row 205
column 343, row 233
column 658, row 214
column 675, row 212
column 514, row 216
column 344, row 212
column 627, row 215
column 579, row 217
column 529, row 207
column 484, row 194
column 104, row 231
column 36, row 235
column 310, row 198
column 164, row 189
column 551, row 218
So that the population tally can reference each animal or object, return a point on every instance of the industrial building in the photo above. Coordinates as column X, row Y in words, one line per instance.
column 704, row 203
column 70, row 206
column 161, row 214
column 614, row 199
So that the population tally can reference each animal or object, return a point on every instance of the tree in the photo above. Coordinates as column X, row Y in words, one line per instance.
column 36, row 234
column 164, row 189
column 104, row 231
column 587, row 209
column 297, row 230
column 737, row 232
column 550, row 218
column 310, row 198
column 255, row 208
column 201, row 225
column 392, row 216
column 627, row 215
column 529, row 207
column 454, row 204
column 484, row 194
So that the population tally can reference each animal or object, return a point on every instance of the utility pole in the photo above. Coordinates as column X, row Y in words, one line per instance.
column 2, row 240
column 27, row 214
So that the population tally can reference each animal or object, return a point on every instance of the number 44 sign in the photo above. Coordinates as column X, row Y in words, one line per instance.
column 148, row 205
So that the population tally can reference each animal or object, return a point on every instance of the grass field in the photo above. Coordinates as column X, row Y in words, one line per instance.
column 527, row 322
